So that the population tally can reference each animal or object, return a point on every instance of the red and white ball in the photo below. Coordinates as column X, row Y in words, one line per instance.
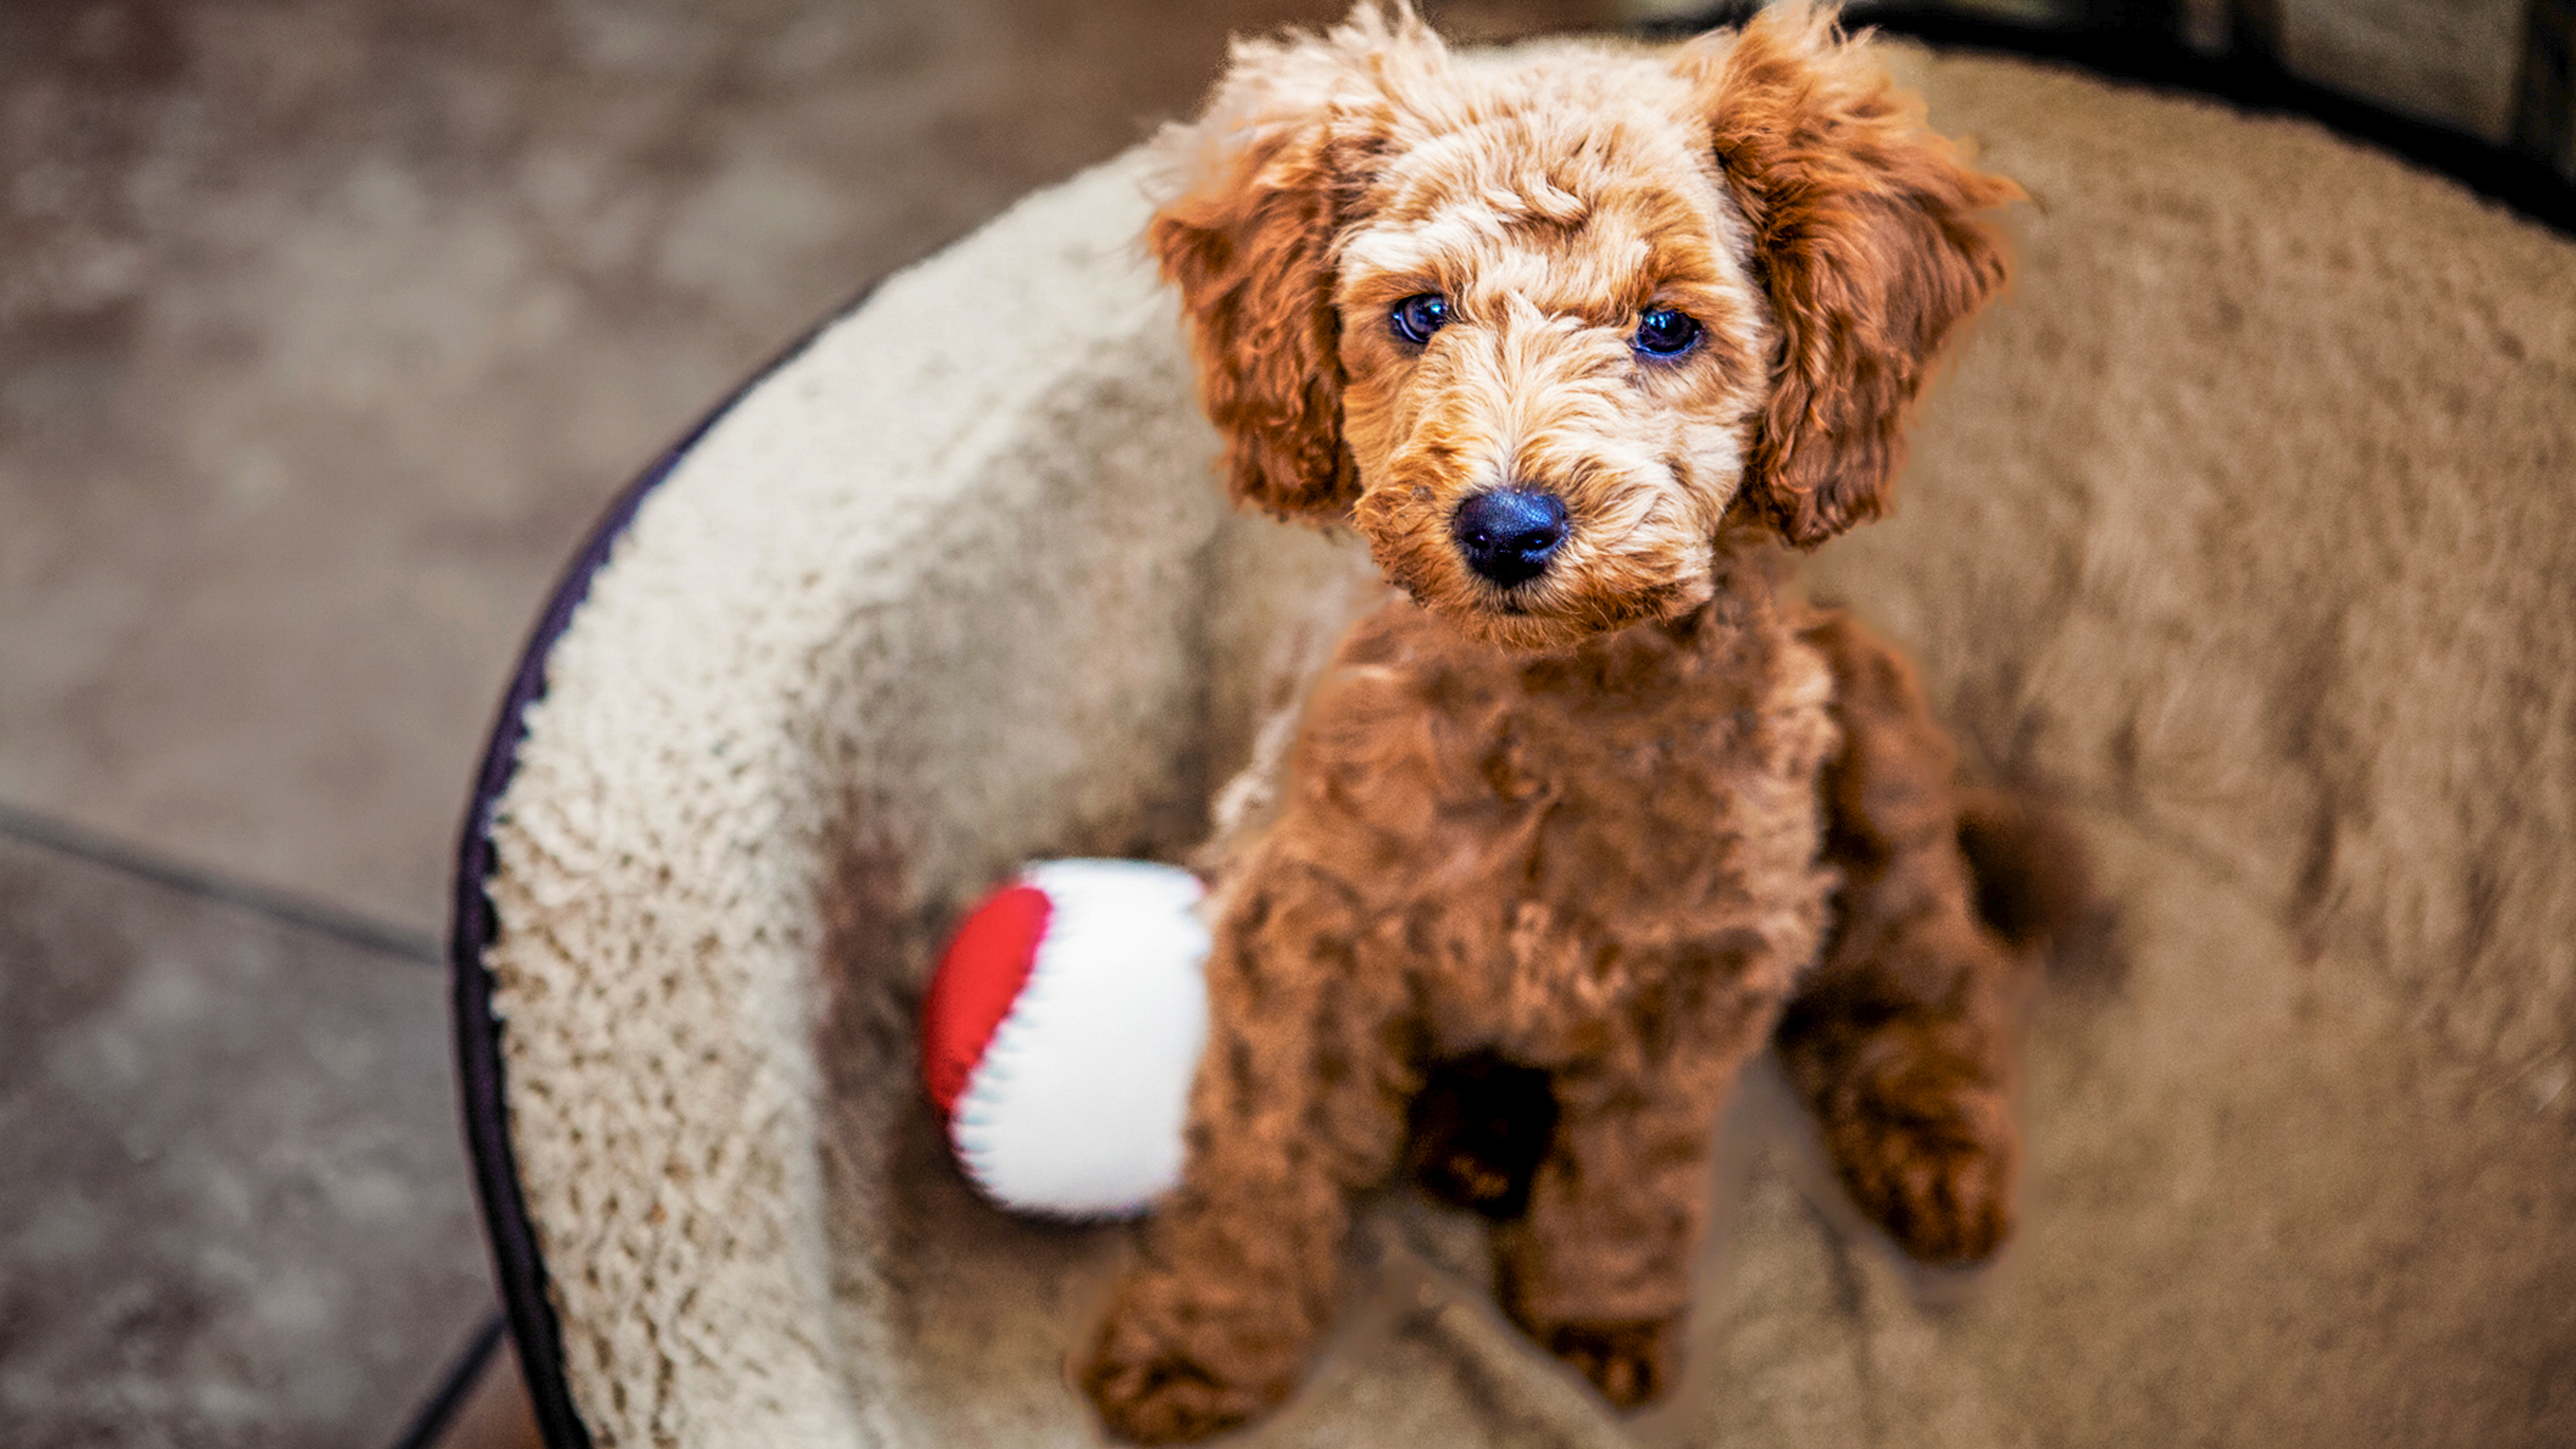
column 1061, row 1031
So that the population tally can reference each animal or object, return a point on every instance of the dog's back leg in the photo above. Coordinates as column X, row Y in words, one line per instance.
column 1902, row 1039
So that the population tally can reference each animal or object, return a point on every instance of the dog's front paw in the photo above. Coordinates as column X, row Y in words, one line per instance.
column 1933, row 1165
column 1164, row 1388
column 1167, row 1398
column 1630, row 1360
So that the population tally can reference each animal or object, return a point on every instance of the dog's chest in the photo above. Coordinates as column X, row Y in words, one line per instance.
column 1559, row 836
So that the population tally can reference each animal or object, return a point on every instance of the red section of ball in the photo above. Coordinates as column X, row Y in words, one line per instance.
column 986, row 964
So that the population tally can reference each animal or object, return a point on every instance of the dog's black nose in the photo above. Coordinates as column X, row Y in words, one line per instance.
column 1509, row 534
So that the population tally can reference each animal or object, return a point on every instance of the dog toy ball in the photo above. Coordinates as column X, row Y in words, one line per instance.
column 1061, row 1031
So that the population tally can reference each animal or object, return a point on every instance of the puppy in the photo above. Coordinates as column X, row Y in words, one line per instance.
column 1576, row 339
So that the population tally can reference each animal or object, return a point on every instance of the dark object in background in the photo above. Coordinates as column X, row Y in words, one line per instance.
column 2150, row 42
column 2544, row 100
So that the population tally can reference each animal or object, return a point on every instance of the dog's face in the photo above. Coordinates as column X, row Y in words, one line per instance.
column 1552, row 352
column 1545, row 329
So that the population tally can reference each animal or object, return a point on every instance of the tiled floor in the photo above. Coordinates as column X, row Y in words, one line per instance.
column 326, row 326
column 235, row 1209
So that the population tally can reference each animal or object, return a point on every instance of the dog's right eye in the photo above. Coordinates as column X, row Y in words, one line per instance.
column 1416, row 318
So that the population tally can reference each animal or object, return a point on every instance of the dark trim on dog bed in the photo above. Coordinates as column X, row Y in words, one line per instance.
column 518, row 1267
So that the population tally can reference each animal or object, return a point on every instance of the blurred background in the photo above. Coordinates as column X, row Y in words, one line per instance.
column 326, row 329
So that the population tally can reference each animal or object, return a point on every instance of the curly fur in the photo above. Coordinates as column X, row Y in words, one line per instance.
column 1620, row 827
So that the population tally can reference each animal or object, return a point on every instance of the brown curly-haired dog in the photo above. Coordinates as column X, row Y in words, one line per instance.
column 1575, row 338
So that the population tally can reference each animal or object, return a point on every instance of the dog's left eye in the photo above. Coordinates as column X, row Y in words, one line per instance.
column 1664, row 332
column 1416, row 318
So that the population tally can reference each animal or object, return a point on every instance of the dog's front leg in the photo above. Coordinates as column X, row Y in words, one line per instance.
column 1598, row 1269
column 1298, row 1103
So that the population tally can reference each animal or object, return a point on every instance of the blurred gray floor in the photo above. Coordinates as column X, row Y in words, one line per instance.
column 329, row 327
column 235, row 1210
column 326, row 327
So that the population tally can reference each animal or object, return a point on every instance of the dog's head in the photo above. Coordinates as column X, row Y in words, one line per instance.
column 1544, row 328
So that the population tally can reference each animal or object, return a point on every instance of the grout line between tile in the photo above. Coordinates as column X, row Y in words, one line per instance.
column 65, row 838
column 439, row 1409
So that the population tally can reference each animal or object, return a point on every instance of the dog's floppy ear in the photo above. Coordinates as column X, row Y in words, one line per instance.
column 1866, row 232
column 1255, row 193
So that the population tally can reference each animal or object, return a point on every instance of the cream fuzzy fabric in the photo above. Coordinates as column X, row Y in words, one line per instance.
column 2249, row 528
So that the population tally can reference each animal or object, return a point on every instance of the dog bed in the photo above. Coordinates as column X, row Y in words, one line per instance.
column 2247, row 530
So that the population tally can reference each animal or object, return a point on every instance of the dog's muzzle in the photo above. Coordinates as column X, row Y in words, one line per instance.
column 1508, row 535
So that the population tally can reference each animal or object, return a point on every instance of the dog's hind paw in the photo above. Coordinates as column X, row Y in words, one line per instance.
column 1934, row 1169
column 1631, row 1360
column 1150, row 1392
